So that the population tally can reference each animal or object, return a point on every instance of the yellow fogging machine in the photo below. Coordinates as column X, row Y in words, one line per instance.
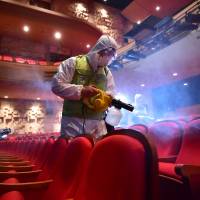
column 102, row 101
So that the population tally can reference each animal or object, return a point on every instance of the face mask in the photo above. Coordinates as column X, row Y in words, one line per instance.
column 104, row 60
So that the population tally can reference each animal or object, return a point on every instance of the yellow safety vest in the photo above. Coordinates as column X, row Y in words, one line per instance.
column 84, row 75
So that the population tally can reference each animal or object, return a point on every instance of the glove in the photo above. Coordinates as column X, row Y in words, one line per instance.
column 89, row 91
column 99, row 102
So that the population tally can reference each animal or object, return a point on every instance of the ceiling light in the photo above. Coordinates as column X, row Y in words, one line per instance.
column 185, row 84
column 104, row 13
column 88, row 46
column 80, row 8
column 38, row 98
column 175, row 74
column 105, row 0
column 57, row 35
column 138, row 22
column 142, row 85
column 157, row 8
column 6, row 97
column 26, row 28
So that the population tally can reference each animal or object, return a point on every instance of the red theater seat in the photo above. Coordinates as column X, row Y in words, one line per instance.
column 70, row 172
column 193, row 117
column 140, row 127
column 30, row 175
column 45, row 178
column 167, row 136
column 122, row 166
column 186, row 169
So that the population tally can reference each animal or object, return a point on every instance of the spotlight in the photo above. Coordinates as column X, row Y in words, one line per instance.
column 133, row 55
column 193, row 18
column 26, row 28
column 157, row 8
column 57, row 35
column 175, row 74
column 161, row 40
column 185, row 26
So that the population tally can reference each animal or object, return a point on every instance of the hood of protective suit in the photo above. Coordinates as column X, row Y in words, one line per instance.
column 104, row 42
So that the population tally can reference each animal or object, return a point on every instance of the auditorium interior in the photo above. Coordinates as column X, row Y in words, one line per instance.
column 152, row 153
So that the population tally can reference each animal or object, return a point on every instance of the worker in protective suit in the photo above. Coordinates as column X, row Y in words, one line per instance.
column 80, row 77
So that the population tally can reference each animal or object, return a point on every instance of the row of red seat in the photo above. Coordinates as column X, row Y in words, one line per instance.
column 178, row 145
column 119, row 166
column 17, row 136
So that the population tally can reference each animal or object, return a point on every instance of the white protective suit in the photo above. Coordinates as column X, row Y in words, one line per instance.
column 61, row 86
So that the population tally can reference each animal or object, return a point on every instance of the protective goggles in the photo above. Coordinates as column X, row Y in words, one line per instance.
column 111, row 52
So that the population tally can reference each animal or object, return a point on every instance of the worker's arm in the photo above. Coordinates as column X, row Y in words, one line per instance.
column 61, row 83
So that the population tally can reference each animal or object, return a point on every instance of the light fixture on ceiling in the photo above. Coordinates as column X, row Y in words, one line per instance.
column 88, row 46
column 157, row 8
column 138, row 22
column 133, row 55
column 80, row 7
column 104, row 13
column 185, row 84
column 57, row 35
column 185, row 26
column 5, row 97
column 175, row 74
column 26, row 28
column 38, row 98
column 142, row 85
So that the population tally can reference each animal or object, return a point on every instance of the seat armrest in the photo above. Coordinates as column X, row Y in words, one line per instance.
column 17, row 168
column 171, row 159
column 11, row 159
column 187, row 170
column 4, row 156
column 6, row 187
column 27, row 174
column 19, row 163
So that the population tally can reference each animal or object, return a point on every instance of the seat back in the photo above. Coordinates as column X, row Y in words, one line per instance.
column 70, row 173
column 44, row 155
column 167, row 136
column 54, row 159
column 140, row 128
column 190, row 149
column 193, row 117
column 122, row 166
